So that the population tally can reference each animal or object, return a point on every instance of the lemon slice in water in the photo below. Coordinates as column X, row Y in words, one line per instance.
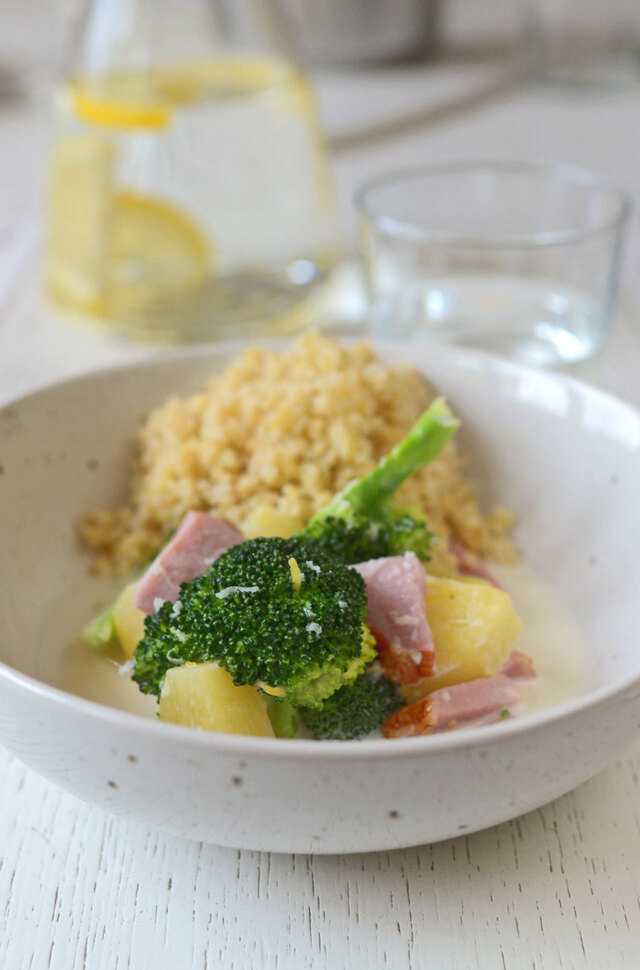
column 146, row 99
column 80, row 221
column 154, row 241
column 121, row 101
column 108, row 248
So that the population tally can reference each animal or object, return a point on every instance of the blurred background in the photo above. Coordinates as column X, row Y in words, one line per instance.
column 182, row 171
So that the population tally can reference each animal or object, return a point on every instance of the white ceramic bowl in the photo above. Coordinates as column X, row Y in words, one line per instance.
column 564, row 456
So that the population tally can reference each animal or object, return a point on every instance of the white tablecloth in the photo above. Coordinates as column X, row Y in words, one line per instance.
column 555, row 889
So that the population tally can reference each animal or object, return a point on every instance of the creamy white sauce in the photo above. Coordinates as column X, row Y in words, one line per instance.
column 551, row 636
column 97, row 676
column 66, row 662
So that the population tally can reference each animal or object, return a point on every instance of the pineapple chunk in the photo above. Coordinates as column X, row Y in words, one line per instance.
column 205, row 696
column 127, row 620
column 475, row 627
column 265, row 521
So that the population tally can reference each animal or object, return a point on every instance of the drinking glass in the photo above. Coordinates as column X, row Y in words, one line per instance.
column 516, row 258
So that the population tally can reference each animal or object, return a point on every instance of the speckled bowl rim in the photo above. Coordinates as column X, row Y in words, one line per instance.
column 375, row 749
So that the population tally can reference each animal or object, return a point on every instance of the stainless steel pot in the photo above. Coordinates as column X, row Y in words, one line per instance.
column 364, row 31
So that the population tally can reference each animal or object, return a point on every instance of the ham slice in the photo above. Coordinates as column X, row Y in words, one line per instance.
column 450, row 705
column 518, row 665
column 396, row 589
column 192, row 549
column 467, row 565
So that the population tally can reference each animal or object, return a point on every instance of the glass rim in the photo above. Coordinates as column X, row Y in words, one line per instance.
column 569, row 175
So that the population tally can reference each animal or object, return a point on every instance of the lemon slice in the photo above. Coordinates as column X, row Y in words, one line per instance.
column 155, row 243
column 120, row 101
column 146, row 99
column 106, row 248
column 80, row 220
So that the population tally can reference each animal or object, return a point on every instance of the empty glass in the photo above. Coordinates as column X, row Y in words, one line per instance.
column 515, row 258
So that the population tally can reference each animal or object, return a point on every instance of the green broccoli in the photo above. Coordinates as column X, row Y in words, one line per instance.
column 355, row 710
column 361, row 522
column 288, row 615
column 275, row 613
column 357, row 538
column 283, row 716
column 100, row 631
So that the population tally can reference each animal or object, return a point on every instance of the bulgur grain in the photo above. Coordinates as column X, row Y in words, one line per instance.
column 285, row 429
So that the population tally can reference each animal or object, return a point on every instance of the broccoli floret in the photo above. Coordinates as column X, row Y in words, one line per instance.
column 357, row 538
column 331, row 676
column 355, row 710
column 288, row 615
column 275, row 613
column 361, row 522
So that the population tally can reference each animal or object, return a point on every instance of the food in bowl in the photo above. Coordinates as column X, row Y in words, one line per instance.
column 359, row 621
column 272, row 439
column 70, row 714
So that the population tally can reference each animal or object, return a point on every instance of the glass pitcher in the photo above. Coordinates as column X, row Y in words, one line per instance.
column 189, row 188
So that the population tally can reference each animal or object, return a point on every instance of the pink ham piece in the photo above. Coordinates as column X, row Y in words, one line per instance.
column 194, row 546
column 518, row 666
column 396, row 590
column 450, row 705
column 467, row 565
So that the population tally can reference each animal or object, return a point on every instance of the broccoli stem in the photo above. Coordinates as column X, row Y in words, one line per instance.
column 283, row 717
column 424, row 441
column 100, row 631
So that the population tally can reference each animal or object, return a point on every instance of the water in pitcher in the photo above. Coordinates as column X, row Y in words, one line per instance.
column 187, row 198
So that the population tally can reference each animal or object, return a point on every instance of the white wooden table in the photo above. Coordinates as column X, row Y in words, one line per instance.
column 556, row 889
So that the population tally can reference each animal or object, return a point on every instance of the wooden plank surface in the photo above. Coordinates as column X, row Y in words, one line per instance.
column 80, row 890
column 555, row 890
column 558, row 889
